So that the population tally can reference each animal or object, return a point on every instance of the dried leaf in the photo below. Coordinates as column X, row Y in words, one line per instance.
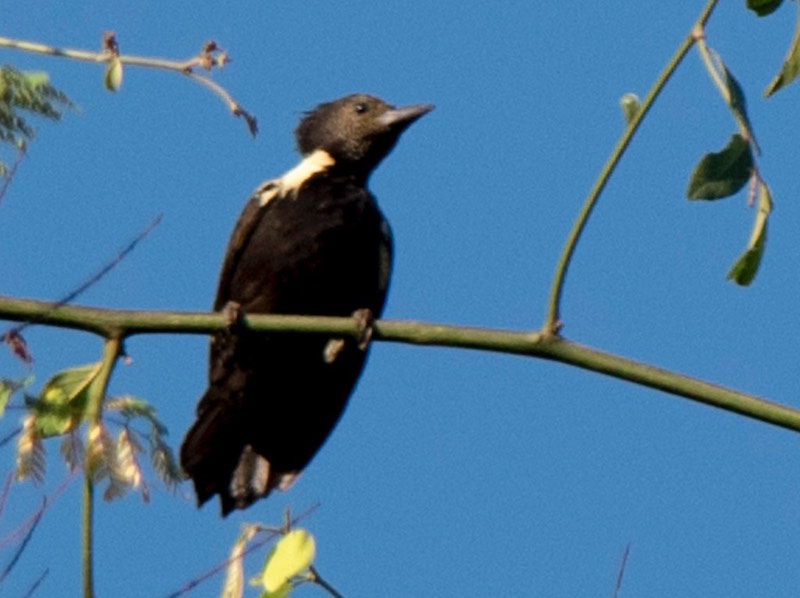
column 234, row 573
column 30, row 452
column 73, row 451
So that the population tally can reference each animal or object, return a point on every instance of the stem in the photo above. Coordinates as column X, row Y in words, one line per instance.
column 97, row 57
column 317, row 579
column 87, row 548
column 94, row 410
column 552, row 319
column 711, row 66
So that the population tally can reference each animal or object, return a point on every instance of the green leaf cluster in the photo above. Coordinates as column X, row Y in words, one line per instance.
column 722, row 174
column 60, row 409
column 23, row 94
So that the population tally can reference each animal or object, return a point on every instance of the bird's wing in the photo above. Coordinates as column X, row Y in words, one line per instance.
column 248, row 222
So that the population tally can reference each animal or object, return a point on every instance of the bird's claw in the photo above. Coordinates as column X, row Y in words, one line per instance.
column 364, row 320
column 233, row 313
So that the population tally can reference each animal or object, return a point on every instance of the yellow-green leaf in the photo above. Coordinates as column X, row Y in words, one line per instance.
column 113, row 75
column 721, row 174
column 9, row 387
column 290, row 556
column 62, row 401
column 744, row 270
column 791, row 64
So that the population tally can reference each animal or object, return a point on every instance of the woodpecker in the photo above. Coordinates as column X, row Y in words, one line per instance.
column 311, row 242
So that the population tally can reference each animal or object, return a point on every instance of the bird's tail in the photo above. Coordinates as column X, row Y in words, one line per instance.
column 215, row 454
column 210, row 449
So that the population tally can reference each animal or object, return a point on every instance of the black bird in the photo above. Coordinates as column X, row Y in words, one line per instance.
column 310, row 242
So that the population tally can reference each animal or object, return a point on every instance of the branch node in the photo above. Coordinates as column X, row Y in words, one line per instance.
column 110, row 45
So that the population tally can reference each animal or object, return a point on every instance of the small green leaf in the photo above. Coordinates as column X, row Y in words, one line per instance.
column 791, row 64
column 62, row 400
column 290, row 556
column 719, row 175
column 113, row 75
column 763, row 7
column 9, row 387
column 630, row 104
column 744, row 270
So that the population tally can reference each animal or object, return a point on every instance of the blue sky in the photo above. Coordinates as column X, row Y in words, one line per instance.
column 453, row 473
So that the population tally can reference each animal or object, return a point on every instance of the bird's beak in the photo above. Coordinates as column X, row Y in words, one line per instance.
column 403, row 117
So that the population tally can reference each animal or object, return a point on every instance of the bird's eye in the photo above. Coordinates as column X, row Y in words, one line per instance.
column 361, row 108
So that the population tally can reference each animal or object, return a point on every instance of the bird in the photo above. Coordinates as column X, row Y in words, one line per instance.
column 310, row 242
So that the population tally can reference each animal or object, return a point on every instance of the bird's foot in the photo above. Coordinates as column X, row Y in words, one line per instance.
column 364, row 320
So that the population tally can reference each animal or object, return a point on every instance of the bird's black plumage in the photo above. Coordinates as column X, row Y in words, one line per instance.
column 310, row 242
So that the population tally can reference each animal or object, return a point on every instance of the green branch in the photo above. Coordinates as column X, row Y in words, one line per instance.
column 118, row 324
column 552, row 321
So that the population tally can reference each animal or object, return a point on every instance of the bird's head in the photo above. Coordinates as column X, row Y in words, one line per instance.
column 357, row 131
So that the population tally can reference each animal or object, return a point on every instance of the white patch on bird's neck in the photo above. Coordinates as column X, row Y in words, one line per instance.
column 291, row 181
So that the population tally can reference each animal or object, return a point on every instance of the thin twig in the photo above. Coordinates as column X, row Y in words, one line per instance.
column 24, row 542
column 552, row 321
column 209, row 57
column 4, row 494
column 36, row 583
column 621, row 572
column 13, row 535
column 10, row 436
column 95, row 278
column 317, row 579
column 9, row 175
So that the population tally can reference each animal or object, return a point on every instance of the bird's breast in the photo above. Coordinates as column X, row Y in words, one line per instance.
column 321, row 250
